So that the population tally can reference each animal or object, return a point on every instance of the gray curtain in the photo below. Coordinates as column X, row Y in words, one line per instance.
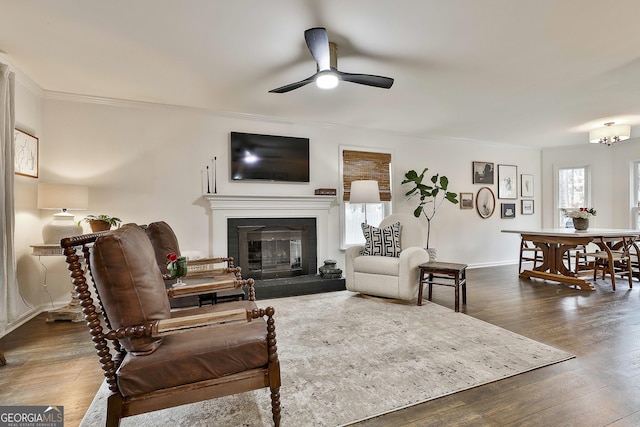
column 8, row 281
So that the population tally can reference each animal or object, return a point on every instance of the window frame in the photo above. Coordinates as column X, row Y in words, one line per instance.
column 387, row 206
column 557, row 210
column 634, row 177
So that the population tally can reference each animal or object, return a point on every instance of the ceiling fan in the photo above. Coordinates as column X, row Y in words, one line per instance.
column 327, row 77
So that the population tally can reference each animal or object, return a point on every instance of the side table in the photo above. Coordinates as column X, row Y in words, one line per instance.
column 71, row 311
column 455, row 274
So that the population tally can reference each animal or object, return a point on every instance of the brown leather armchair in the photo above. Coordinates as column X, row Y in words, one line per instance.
column 164, row 241
column 153, row 358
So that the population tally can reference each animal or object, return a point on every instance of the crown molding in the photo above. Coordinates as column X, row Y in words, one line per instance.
column 21, row 78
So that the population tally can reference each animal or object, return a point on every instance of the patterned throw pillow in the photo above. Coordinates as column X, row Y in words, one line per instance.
column 382, row 241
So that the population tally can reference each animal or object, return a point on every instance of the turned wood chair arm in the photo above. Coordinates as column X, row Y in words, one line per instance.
column 211, row 272
column 221, row 284
column 207, row 261
column 160, row 328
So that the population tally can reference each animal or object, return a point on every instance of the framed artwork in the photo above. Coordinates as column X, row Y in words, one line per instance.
column 507, row 182
column 527, row 207
column 482, row 173
column 26, row 154
column 526, row 185
column 508, row 210
column 485, row 202
column 466, row 200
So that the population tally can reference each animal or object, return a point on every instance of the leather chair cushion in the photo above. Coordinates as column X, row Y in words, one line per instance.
column 129, row 282
column 164, row 241
column 385, row 265
column 197, row 356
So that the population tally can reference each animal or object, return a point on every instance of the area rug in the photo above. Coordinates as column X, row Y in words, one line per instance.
column 345, row 358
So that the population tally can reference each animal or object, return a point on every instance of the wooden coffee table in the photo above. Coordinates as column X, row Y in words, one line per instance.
column 435, row 273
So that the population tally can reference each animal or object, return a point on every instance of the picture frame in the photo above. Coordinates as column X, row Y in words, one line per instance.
column 526, row 207
column 466, row 200
column 26, row 154
column 485, row 202
column 508, row 210
column 482, row 172
column 507, row 182
column 526, row 185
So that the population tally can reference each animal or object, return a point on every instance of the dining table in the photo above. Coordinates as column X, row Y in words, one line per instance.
column 555, row 242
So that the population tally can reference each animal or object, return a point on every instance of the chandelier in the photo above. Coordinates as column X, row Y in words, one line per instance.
column 610, row 133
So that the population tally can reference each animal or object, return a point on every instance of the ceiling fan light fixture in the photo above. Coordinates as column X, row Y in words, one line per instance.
column 610, row 134
column 327, row 80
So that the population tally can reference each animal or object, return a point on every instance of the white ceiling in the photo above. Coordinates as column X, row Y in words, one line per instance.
column 539, row 73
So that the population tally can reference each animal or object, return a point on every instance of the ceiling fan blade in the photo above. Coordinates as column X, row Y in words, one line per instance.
column 292, row 86
column 366, row 79
column 318, row 44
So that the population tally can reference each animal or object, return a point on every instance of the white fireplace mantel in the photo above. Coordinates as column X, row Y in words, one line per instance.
column 225, row 206
column 270, row 202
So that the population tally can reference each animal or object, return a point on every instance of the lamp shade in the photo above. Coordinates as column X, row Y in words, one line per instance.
column 63, row 196
column 364, row 191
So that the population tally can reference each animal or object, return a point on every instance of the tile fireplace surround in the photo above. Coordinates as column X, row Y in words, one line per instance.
column 225, row 206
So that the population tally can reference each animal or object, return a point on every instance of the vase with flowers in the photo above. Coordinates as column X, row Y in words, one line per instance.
column 580, row 217
column 177, row 267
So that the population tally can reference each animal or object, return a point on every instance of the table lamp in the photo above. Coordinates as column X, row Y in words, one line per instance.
column 62, row 197
column 364, row 191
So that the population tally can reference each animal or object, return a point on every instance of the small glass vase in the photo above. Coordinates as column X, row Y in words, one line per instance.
column 581, row 224
column 178, row 270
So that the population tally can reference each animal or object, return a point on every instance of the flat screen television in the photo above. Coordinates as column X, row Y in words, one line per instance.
column 269, row 158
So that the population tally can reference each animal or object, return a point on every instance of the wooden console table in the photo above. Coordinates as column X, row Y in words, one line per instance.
column 554, row 243
column 71, row 311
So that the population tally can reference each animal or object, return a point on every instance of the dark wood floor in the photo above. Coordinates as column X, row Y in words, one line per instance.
column 54, row 364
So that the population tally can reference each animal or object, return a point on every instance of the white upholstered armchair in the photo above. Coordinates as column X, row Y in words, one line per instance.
column 385, row 276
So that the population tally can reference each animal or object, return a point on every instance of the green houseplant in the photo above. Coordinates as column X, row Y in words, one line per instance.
column 432, row 194
column 101, row 222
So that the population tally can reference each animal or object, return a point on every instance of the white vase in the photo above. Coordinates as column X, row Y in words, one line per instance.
column 433, row 253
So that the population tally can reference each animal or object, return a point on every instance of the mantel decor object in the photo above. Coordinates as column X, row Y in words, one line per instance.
column 329, row 270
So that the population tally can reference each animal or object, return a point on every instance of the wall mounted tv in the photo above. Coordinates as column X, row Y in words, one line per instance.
column 269, row 158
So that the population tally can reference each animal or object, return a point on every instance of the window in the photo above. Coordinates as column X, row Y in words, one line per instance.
column 635, row 197
column 357, row 165
column 572, row 191
column 636, row 183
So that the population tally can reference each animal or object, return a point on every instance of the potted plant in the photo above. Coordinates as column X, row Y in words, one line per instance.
column 432, row 194
column 580, row 217
column 101, row 222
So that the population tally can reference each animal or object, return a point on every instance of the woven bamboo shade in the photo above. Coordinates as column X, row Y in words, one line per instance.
column 359, row 165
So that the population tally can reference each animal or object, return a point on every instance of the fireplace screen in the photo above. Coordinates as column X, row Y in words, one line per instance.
column 270, row 248
column 269, row 252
